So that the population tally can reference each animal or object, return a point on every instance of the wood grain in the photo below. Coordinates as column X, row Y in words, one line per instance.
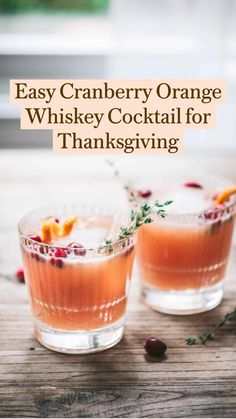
column 198, row 381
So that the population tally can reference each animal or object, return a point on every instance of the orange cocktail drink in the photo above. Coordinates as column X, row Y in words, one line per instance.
column 78, row 285
column 182, row 258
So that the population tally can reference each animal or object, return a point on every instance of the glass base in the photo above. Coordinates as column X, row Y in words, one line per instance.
column 79, row 342
column 182, row 302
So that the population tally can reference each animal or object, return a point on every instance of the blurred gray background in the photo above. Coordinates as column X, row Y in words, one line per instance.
column 132, row 39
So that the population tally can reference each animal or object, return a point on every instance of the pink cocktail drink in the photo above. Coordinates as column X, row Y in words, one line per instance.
column 78, row 285
column 183, row 258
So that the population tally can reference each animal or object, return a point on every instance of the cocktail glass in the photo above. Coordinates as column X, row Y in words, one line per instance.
column 79, row 298
column 182, row 258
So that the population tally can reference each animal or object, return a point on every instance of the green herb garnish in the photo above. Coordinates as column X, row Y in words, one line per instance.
column 140, row 214
column 210, row 334
column 138, row 217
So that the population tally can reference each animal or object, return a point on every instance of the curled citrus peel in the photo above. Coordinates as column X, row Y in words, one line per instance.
column 225, row 195
column 51, row 229
column 46, row 233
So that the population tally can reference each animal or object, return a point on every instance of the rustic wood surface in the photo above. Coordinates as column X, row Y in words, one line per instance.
column 198, row 381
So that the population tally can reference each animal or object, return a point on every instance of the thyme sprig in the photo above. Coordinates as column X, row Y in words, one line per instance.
column 210, row 334
column 111, row 163
column 140, row 214
column 138, row 217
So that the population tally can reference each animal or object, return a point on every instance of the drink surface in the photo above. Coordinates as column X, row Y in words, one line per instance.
column 184, row 251
column 76, row 288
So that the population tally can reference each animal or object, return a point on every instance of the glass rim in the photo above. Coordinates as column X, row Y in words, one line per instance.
column 229, row 208
column 99, row 247
column 225, row 207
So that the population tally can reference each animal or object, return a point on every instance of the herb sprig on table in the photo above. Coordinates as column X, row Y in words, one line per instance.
column 210, row 334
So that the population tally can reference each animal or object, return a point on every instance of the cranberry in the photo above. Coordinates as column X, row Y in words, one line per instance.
column 20, row 275
column 213, row 213
column 41, row 249
column 36, row 239
column 35, row 256
column 155, row 347
column 78, row 248
column 209, row 215
column 144, row 193
column 57, row 220
column 193, row 185
column 58, row 263
column 52, row 261
column 60, row 253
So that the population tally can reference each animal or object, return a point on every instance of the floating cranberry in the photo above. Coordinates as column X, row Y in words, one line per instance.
column 20, row 276
column 41, row 249
column 213, row 212
column 216, row 226
column 155, row 347
column 144, row 193
column 60, row 253
column 57, row 220
column 193, row 185
column 36, row 257
column 36, row 239
column 58, row 263
column 78, row 248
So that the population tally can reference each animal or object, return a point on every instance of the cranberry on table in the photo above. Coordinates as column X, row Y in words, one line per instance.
column 155, row 347
column 20, row 276
column 144, row 193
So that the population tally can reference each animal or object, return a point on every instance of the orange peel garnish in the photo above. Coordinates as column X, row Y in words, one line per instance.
column 55, row 228
column 51, row 229
column 46, row 233
column 67, row 226
column 225, row 195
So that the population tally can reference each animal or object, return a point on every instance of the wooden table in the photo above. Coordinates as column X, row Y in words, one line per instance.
column 198, row 381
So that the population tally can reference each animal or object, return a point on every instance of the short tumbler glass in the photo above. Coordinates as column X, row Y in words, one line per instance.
column 79, row 304
column 182, row 258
